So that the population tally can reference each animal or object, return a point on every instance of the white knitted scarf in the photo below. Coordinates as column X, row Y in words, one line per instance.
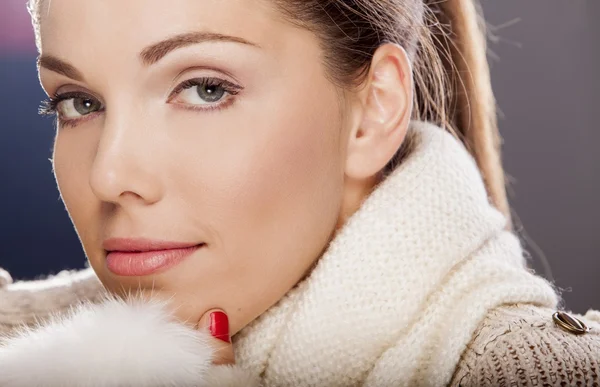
column 401, row 289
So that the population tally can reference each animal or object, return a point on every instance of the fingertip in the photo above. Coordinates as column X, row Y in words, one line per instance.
column 216, row 322
column 219, row 325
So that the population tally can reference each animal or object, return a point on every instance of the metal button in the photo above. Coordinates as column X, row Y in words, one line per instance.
column 570, row 323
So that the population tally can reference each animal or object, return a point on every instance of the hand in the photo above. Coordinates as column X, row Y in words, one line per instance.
column 215, row 322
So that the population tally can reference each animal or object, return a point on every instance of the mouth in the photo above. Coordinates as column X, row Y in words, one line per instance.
column 140, row 257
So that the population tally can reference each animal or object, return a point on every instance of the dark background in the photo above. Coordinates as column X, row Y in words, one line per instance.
column 545, row 59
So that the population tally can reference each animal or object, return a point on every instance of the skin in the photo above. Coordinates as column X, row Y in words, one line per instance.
column 264, row 181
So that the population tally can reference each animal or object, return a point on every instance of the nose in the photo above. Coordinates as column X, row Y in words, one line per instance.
column 124, row 167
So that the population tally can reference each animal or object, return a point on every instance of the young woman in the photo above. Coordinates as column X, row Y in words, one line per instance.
column 282, row 193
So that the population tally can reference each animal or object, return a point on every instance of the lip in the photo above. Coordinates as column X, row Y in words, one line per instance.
column 139, row 257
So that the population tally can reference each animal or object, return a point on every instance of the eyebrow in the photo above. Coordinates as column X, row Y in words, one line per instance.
column 150, row 54
column 157, row 51
column 52, row 63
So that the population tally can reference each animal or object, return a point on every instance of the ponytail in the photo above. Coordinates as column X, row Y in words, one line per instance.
column 460, row 42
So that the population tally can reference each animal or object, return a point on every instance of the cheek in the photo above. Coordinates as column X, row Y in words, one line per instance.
column 283, row 176
column 271, row 198
column 273, row 165
column 72, row 159
column 287, row 180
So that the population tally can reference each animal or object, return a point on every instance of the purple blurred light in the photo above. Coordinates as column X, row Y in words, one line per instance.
column 16, row 32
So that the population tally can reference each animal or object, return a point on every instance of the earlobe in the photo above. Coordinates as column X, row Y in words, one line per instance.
column 386, row 109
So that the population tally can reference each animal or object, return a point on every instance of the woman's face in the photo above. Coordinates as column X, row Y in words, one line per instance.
column 199, row 122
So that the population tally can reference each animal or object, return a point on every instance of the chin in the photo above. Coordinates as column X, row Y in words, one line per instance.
column 185, row 308
column 182, row 287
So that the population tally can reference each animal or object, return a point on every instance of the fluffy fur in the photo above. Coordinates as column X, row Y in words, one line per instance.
column 114, row 343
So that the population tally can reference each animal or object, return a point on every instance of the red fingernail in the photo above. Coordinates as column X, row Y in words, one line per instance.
column 219, row 326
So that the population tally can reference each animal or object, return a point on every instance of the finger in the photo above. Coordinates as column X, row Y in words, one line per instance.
column 216, row 322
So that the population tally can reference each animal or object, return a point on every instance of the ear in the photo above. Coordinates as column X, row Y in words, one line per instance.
column 385, row 110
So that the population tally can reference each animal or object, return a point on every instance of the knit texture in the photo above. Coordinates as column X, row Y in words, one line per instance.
column 519, row 345
column 400, row 292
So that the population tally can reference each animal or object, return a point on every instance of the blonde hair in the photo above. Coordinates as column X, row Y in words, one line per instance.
column 446, row 41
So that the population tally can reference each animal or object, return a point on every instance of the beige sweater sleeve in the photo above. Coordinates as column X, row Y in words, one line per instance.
column 26, row 302
column 522, row 346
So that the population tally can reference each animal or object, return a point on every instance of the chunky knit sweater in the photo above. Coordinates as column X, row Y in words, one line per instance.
column 519, row 345
column 422, row 287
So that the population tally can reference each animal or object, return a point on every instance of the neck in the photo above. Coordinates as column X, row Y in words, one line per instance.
column 355, row 193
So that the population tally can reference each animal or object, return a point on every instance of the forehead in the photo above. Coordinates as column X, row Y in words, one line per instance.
column 136, row 23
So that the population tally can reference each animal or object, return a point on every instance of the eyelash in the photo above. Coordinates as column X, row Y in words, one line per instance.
column 50, row 106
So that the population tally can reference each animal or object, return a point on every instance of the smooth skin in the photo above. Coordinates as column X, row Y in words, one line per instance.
column 264, row 178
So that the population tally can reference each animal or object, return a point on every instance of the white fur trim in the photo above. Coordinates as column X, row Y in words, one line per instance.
column 5, row 278
column 114, row 343
column 593, row 315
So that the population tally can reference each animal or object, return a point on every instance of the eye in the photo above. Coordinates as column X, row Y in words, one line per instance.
column 71, row 107
column 77, row 107
column 204, row 92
